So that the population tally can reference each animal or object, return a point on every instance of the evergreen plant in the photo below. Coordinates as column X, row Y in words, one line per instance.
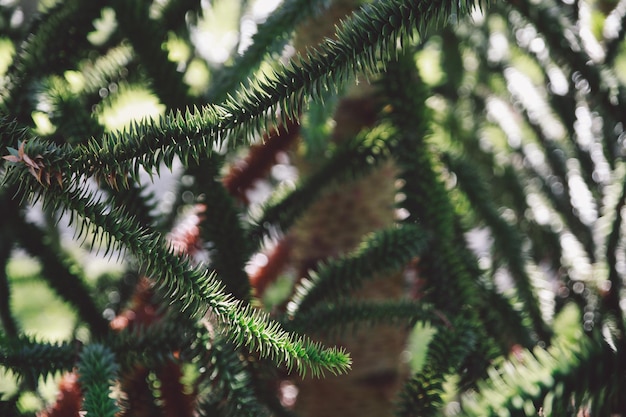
column 451, row 242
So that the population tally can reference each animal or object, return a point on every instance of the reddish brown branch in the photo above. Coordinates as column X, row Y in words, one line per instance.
column 143, row 311
column 259, row 161
column 140, row 401
column 176, row 401
column 268, row 273
column 185, row 235
column 69, row 399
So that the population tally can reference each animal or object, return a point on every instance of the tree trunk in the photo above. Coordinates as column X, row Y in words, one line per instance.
column 334, row 225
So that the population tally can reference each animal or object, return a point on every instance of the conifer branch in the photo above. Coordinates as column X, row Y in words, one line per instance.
column 353, row 160
column 11, row 132
column 564, row 207
column 221, row 226
column 545, row 241
column 426, row 196
column 561, row 202
column 254, row 329
column 611, row 300
column 149, row 346
column 33, row 359
column 147, row 37
column 421, row 396
column 270, row 37
column 8, row 207
column 508, row 242
column 365, row 39
column 68, row 112
column 530, row 381
column 556, row 157
column 445, row 262
column 107, row 68
column 564, row 106
column 9, row 324
column 97, row 370
column 199, row 316
column 548, row 19
column 381, row 252
column 136, row 200
column 69, row 286
column 230, row 385
column 194, row 290
column 337, row 318
column 506, row 319
column 62, row 29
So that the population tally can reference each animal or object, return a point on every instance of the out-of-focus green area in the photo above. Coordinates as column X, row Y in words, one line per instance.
column 38, row 311
column 36, row 306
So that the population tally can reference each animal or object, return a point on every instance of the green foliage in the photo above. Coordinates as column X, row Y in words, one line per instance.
column 383, row 252
column 228, row 378
column 352, row 160
column 422, row 395
column 270, row 37
column 508, row 241
column 338, row 318
column 557, row 379
column 97, row 370
column 224, row 229
column 33, row 359
column 505, row 127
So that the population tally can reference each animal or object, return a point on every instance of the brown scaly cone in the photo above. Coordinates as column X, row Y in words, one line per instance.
column 334, row 225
